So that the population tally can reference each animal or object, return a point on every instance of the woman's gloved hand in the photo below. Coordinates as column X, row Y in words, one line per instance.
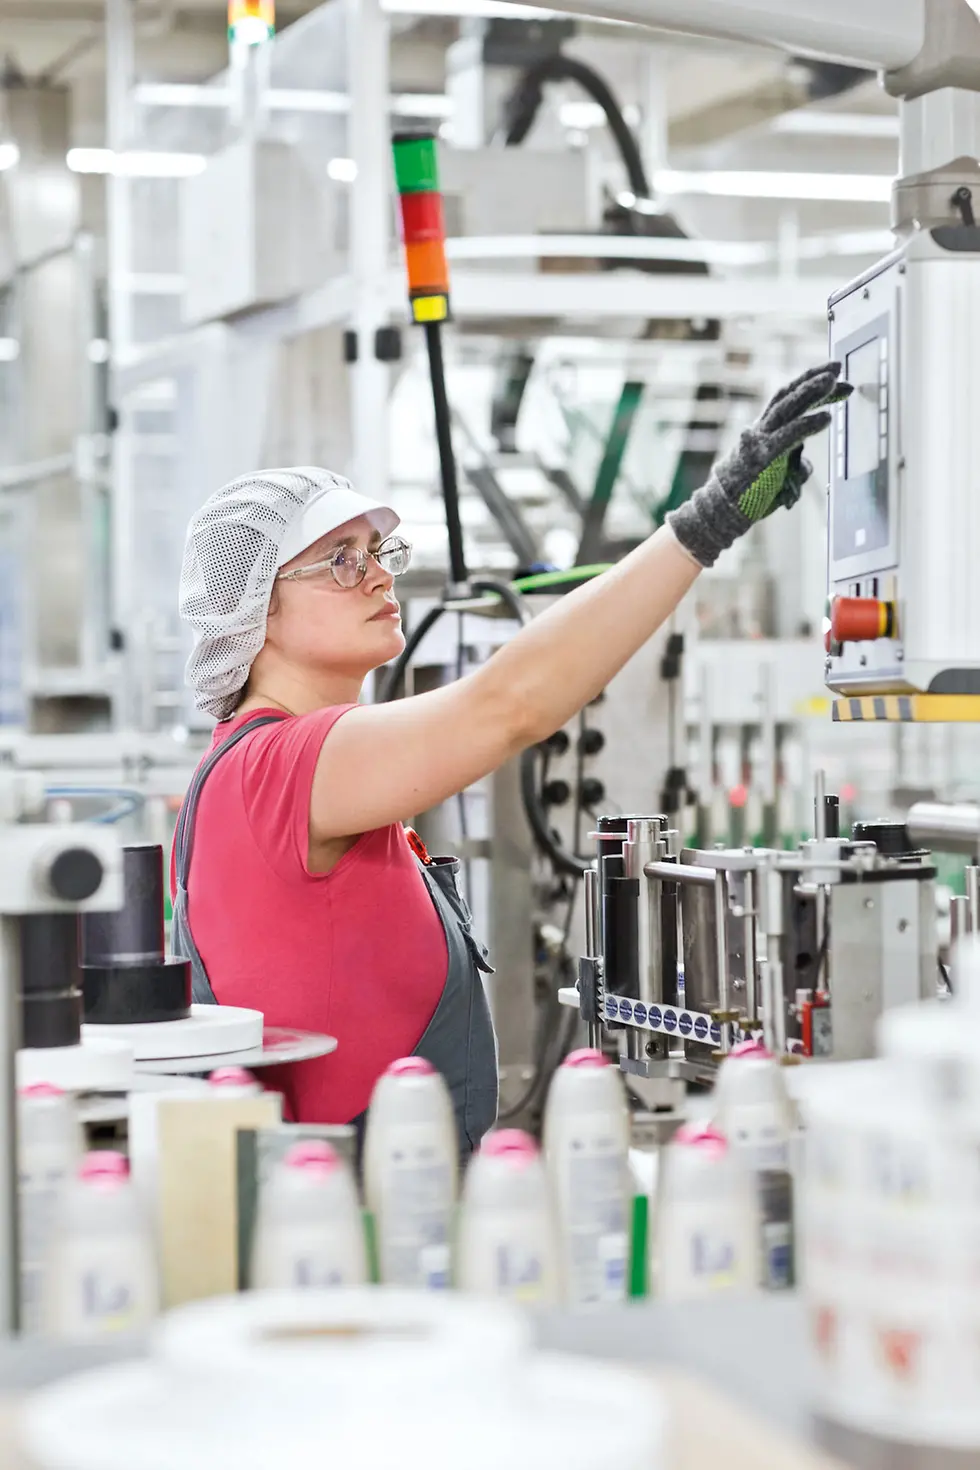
column 764, row 470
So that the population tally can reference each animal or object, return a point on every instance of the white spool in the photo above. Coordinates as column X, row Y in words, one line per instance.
column 366, row 1377
column 207, row 1031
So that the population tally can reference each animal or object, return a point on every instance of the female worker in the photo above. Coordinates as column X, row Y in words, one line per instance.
column 305, row 898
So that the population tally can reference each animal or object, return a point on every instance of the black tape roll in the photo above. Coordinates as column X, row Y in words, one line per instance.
column 133, row 934
column 620, row 931
column 119, row 995
column 51, row 1018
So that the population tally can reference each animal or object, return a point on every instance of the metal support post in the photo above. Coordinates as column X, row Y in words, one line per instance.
column 120, row 77
column 368, row 145
column 590, row 894
column 972, row 876
column 9, row 1046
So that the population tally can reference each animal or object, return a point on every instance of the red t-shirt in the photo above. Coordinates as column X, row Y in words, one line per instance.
column 358, row 953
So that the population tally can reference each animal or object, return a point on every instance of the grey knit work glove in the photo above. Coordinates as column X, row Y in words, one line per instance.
column 764, row 470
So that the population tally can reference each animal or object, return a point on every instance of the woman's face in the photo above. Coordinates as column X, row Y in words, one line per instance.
column 317, row 624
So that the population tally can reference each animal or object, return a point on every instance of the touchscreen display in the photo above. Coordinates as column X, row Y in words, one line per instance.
column 861, row 369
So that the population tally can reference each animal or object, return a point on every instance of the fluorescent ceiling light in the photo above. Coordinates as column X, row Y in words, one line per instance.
column 744, row 184
column 490, row 8
column 421, row 104
column 135, row 165
column 581, row 115
column 846, row 242
column 9, row 349
column 9, row 155
column 608, row 247
column 180, row 94
column 284, row 99
column 344, row 170
column 90, row 160
column 837, row 124
column 300, row 99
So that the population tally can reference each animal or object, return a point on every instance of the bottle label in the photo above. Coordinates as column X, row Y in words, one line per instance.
column 519, row 1271
column 595, row 1219
column 775, row 1196
column 509, row 1252
column 416, row 1213
column 39, row 1192
column 105, row 1289
column 320, row 1258
column 705, row 1248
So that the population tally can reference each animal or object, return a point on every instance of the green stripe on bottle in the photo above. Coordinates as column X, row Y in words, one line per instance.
column 639, row 1221
column 416, row 167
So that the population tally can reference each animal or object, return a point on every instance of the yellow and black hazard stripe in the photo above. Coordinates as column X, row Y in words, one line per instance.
column 934, row 709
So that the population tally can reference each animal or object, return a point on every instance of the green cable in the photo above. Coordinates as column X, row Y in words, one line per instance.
column 540, row 580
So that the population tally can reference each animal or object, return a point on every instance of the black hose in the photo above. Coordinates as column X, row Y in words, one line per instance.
column 522, row 106
column 547, row 1061
column 562, row 860
column 395, row 676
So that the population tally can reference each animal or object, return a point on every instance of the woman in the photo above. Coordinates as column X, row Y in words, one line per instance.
column 306, row 899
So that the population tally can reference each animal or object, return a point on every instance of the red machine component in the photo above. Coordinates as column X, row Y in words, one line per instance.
column 859, row 619
column 815, row 1025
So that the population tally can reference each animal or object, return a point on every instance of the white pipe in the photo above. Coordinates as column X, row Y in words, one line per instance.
column 875, row 33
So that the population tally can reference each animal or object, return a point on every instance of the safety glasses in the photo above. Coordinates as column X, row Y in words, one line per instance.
column 348, row 565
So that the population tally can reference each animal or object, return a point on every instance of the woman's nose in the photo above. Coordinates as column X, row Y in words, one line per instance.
column 376, row 576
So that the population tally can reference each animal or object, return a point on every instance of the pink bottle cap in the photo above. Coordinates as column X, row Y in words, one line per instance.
column 410, row 1067
column 313, row 1156
column 756, row 1049
column 586, row 1056
column 512, row 1144
column 41, row 1089
column 104, row 1166
column 702, row 1136
column 231, row 1077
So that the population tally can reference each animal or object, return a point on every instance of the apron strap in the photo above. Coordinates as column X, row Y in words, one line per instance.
column 184, row 834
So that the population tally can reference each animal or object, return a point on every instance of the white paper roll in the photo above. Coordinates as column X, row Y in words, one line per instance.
column 358, row 1379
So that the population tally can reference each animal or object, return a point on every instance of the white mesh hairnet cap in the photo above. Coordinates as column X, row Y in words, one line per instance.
column 236, row 544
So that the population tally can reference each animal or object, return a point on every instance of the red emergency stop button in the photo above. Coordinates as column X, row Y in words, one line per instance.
column 858, row 619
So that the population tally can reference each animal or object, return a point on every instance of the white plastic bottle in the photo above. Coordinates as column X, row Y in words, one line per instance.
column 235, row 1082
column 308, row 1230
column 704, row 1236
column 411, row 1161
column 753, row 1110
column 101, row 1274
column 586, row 1146
column 50, row 1146
column 508, row 1240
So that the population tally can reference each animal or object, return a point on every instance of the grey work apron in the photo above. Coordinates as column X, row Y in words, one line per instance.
column 459, row 1040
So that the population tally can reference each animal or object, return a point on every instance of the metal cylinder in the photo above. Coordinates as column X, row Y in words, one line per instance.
column 831, row 806
column 133, row 934
column 50, row 980
column 959, row 918
column 972, row 877
column 749, row 945
column 947, row 827
column 620, row 903
column 721, row 949
column 591, row 892
column 644, row 845
column 819, row 805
